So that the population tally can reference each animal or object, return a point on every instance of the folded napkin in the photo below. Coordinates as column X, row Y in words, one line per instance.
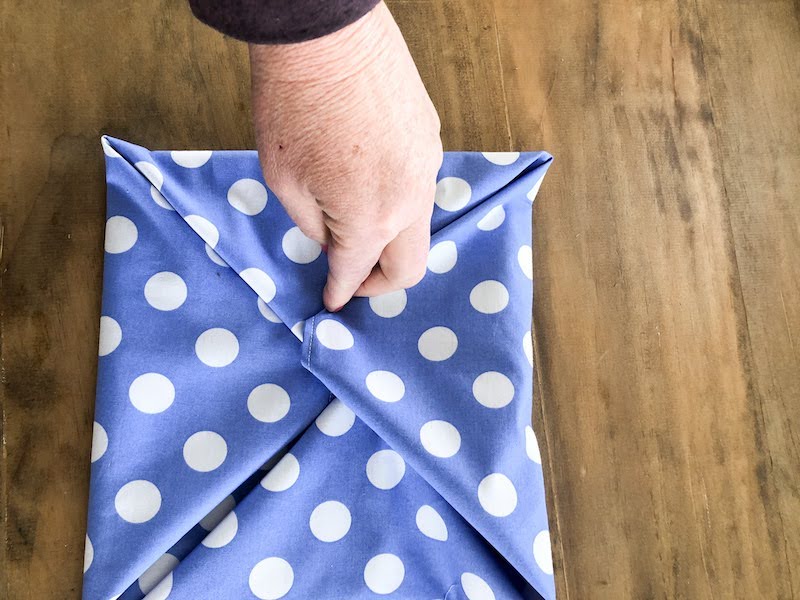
column 249, row 444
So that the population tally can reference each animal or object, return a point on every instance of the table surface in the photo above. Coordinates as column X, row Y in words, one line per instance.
column 667, row 261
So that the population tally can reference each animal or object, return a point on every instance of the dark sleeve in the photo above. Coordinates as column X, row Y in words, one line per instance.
column 279, row 21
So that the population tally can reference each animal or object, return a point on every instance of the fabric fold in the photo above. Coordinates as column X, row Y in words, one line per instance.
column 404, row 416
column 459, row 409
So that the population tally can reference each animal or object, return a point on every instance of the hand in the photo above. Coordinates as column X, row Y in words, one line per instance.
column 349, row 142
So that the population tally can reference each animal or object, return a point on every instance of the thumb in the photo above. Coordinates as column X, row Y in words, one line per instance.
column 350, row 262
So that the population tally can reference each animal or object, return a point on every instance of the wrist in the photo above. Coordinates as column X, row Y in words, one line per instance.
column 332, row 57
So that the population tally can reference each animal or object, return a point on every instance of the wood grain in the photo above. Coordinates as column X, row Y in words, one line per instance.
column 667, row 261
column 674, row 471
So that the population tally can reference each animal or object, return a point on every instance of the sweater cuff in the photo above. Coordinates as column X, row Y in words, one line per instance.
column 279, row 21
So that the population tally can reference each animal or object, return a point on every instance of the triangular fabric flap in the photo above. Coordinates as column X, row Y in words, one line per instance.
column 460, row 412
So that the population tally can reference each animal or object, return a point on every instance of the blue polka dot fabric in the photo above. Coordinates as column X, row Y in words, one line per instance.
column 249, row 444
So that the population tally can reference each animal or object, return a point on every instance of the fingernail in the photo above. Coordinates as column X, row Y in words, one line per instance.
column 335, row 310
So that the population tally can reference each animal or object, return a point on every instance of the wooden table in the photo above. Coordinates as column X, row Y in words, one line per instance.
column 667, row 269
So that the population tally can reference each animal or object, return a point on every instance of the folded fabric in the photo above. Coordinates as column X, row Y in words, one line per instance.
column 249, row 444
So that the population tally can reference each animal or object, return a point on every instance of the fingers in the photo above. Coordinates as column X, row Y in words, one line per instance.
column 305, row 212
column 309, row 220
column 402, row 263
column 350, row 262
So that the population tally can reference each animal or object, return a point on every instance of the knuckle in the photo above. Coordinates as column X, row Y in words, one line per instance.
column 412, row 276
column 311, row 230
column 384, row 229
column 277, row 181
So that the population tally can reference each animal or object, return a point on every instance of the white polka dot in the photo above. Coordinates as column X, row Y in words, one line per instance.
column 162, row 590
column 437, row 343
column 334, row 335
column 489, row 297
column 217, row 347
column 299, row 248
column 261, row 283
column 531, row 445
column 384, row 573
column 431, row 524
column 110, row 336
column 493, row 389
column 336, row 419
column 267, row 312
column 190, row 159
column 385, row 469
column 151, row 173
column 501, row 158
column 222, row 534
column 386, row 386
column 493, row 219
column 151, row 393
column 205, row 451
column 535, row 189
column 452, row 193
column 165, row 291
column 138, row 501
column 527, row 346
column 99, row 441
column 442, row 257
column 107, row 148
column 542, row 552
column 389, row 305
column 88, row 554
column 525, row 259
column 218, row 513
column 330, row 521
column 248, row 196
column 272, row 578
column 497, row 495
column 298, row 329
column 215, row 258
column 268, row 403
column 157, row 572
column 204, row 228
column 440, row 438
column 283, row 475
column 476, row 588
column 159, row 199
column 121, row 235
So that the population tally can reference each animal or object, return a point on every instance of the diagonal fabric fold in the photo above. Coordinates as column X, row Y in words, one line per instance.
column 446, row 381
column 208, row 286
